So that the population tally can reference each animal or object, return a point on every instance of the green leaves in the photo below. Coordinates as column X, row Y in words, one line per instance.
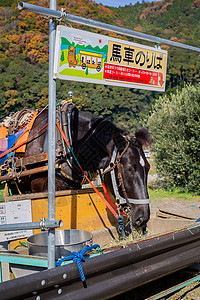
column 175, row 125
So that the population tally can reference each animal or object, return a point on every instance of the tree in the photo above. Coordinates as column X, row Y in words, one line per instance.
column 62, row 56
column 175, row 126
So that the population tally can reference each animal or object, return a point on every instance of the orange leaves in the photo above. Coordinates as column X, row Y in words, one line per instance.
column 11, row 93
column 2, row 56
column 175, row 39
column 38, row 55
column 42, row 25
column 105, row 10
column 33, row 45
column 30, row 21
column 26, row 20
column 25, row 15
column 158, row 8
column 164, row 8
column 12, row 39
column 165, row 47
column 10, row 45
column 34, row 41
column 138, row 28
column 86, row 8
column 31, row 39
column 23, row 26
column 36, row 49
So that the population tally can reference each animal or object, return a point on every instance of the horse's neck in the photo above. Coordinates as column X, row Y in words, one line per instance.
column 94, row 141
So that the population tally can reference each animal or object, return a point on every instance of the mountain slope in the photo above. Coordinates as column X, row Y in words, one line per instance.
column 24, row 56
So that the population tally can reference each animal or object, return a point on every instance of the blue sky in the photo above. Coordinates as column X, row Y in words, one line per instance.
column 117, row 3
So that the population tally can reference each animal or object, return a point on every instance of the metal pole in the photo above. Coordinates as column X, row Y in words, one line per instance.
column 128, row 32
column 31, row 225
column 104, row 26
column 51, row 139
column 52, row 13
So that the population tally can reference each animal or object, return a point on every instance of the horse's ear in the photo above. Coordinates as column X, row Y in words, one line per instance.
column 118, row 139
column 143, row 137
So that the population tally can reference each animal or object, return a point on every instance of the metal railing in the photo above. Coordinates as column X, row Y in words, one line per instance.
column 43, row 225
column 92, row 23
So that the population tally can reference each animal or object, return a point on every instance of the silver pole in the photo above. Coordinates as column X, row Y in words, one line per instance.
column 104, row 26
column 135, row 34
column 40, row 10
column 31, row 225
column 51, row 140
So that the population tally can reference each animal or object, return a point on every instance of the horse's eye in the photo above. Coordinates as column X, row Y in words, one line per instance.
column 129, row 169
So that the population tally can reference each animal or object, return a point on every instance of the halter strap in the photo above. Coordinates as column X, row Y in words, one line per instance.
column 114, row 183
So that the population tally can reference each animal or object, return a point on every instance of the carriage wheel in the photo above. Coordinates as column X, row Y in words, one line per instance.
column 83, row 66
column 98, row 68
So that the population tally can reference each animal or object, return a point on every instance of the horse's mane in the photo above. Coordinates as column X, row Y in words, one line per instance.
column 143, row 137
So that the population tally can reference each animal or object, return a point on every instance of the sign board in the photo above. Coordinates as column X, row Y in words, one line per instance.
column 15, row 212
column 89, row 57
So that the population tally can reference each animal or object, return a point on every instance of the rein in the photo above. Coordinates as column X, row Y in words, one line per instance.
column 115, row 162
column 95, row 189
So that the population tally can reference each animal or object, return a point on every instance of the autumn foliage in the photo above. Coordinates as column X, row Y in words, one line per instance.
column 24, row 55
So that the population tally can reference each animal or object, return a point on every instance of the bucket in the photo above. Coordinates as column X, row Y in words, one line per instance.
column 66, row 241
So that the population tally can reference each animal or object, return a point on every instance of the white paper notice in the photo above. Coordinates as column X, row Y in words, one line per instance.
column 15, row 212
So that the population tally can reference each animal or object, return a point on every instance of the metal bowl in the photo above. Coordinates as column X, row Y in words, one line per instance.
column 66, row 241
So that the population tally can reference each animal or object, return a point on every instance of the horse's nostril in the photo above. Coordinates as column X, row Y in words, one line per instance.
column 138, row 222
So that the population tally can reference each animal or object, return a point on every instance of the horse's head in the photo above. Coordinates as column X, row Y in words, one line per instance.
column 128, row 175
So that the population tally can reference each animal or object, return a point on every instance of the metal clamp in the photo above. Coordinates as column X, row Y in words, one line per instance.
column 64, row 16
column 127, row 209
column 43, row 224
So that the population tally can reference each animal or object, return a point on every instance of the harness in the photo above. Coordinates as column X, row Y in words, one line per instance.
column 65, row 121
column 115, row 162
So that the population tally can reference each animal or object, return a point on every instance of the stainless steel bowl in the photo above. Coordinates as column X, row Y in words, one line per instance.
column 66, row 241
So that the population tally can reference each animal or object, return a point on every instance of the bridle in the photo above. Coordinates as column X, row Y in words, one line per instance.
column 115, row 163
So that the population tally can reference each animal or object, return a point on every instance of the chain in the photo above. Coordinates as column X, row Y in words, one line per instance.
column 18, row 176
column 127, row 211
column 13, row 166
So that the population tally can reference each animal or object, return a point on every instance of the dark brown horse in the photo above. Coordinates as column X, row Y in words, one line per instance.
column 97, row 144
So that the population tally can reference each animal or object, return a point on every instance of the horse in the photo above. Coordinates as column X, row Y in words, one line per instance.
column 97, row 145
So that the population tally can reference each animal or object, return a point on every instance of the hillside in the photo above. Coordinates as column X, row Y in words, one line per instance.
column 24, row 56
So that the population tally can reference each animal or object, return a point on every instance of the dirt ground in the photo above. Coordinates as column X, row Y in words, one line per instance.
column 190, row 292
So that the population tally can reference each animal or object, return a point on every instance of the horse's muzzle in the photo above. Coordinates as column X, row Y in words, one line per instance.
column 140, row 215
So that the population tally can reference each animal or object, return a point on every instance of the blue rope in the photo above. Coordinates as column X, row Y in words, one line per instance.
column 198, row 220
column 78, row 257
column 120, row 222
column 144, row 229
column 121, row 226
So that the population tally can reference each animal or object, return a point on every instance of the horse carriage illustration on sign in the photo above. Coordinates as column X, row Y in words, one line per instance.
column 92, row 60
